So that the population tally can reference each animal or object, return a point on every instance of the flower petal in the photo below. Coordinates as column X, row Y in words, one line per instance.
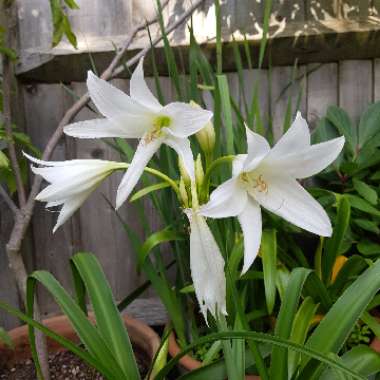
column 69, row 207
column 127, row 126
column 79, row 180
column 228, row 199
column 296, row 138
column 109, row 100
column 140, row 91
column 185, row 119
column 310, row 161
column 287, row 198
column 207, row 268
column 251, row 224
column 238, row 164
column 183, row 149
column 258, row 148
column 143, row 154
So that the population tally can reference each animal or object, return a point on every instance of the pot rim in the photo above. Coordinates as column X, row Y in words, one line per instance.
column 142, row 335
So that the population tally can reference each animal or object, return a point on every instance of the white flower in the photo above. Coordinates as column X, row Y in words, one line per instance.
column 267, row 177
column 71, row 182
column 140, row 116
column 207, row 267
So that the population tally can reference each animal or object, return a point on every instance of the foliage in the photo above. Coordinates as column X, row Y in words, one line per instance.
column 61, row 23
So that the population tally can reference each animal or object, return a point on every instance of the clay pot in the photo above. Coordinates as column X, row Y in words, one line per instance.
column 187, row 362
column 144, row 339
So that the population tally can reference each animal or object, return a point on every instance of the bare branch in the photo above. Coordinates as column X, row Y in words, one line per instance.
column 10, row 14
column 8, row 201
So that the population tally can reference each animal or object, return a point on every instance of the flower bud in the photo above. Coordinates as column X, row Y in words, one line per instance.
column 183, row 193
column 206, row 136
column 184, row 174
column 199, row 172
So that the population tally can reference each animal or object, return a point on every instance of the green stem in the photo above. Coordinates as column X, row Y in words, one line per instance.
column 157, row 174
column 210, row 169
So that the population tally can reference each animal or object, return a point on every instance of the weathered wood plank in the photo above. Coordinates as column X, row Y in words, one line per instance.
column 322, row 90
column 376, row 80
column 355, row 87
column 46, row 104
column 291, row 37
column 284, row 88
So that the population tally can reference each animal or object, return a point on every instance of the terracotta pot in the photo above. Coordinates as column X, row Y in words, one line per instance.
column 145, row 340
column 187, row 362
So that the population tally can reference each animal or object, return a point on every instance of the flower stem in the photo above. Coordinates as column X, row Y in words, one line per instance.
column 206, row 181
column 157, row 174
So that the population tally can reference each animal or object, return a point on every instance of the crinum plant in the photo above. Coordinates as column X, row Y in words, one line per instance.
column 263, row 177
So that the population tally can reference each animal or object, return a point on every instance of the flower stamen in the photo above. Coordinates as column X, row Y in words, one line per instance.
column 255, row 182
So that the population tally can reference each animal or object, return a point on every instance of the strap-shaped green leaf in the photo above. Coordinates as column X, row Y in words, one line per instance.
column 335, row 327
column 108, row 320
column 289, row 306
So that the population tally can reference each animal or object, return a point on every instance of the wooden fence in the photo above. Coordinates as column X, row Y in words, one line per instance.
column 352, row 84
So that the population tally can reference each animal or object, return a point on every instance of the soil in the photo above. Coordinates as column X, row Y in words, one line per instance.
column 63, row 366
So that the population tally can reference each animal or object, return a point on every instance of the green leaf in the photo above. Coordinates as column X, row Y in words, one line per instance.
column 108, row 320
column 164, row 236
column 269, row 258
column 10, row 53
column 74, row 348
column 88, row 334
column 288, row 309
column 366, row 191
column 4, row 338
column 260, row 337
column 367, row 225
column 361, row 359
column 362, row 205
column 369, row 123
column 149, row 189
column 72, row 4
column 342, row 122
column 334, row 244
column 335, row 327
column 4, row 161
column 372, row 323
column 300, row 328
column 368, row 248
column 376, row 176
column 227, row 112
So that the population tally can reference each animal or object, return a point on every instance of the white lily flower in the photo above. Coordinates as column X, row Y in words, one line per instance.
column 207, row 266
column 71, row 182
column 267, row 177
column 140, row 116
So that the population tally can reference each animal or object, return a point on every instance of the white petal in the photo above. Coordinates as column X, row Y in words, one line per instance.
column 308, row 162
column 251, row 224
column 140, row 91
column 228, row 199
column 258, row 148
column 185, row 119
column 288, row 199
column 183, row 149
column 207, row 268
column 109, row 100
column 128, row 126
column 143, row 154
column 296, row 138
column 238, row 164
column 69, row 207
column 80, row 180
column 80, row 162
